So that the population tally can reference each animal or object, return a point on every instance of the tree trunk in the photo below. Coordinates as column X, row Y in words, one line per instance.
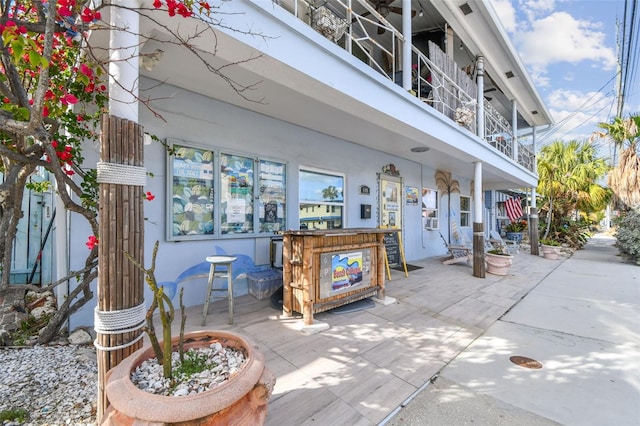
column 11, row 195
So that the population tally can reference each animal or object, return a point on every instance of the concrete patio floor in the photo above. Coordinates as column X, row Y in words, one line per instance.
column 362, row 369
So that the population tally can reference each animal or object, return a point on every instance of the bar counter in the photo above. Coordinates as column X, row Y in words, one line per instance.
column 324, row 269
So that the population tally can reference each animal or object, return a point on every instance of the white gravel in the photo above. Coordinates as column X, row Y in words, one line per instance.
column 57, row 385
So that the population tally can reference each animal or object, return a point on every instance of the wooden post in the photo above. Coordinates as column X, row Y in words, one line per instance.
column 533, row 231
column 479, row 268
column 121, row 227
column 380, row 266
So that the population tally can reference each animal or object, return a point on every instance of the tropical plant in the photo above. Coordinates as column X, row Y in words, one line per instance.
column 516, row 226
column 624, row 178
column 628, row 235
column 549, row 242
column 568, row 176
column 500, row 250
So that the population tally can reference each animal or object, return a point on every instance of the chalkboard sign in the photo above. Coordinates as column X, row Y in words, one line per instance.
column 392, row 246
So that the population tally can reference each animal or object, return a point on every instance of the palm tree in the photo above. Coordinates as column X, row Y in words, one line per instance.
column 624, row 178
column 447, row 185
column 568, row 173
column 330, row 192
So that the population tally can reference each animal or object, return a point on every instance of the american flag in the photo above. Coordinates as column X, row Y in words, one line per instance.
column 514, row 208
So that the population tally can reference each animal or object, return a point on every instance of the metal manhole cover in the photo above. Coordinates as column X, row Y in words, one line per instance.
column 525, row 362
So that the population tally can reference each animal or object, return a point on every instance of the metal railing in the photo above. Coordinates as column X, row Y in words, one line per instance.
column 355, row 33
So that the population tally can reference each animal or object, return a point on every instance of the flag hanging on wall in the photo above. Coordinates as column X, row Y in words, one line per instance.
column 514, row 208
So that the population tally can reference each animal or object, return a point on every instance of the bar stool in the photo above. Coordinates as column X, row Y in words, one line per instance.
column 216, row 271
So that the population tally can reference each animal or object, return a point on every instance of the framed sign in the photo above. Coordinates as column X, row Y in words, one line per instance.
column 411, row 195
column 390, row 192
column 192, row 193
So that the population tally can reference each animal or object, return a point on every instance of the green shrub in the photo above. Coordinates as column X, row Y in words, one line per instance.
column 628, row 235
column 14, row 414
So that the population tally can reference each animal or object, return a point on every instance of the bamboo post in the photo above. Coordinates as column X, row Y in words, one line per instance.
column 533, row 232
column 478, row 250
column 121, row 227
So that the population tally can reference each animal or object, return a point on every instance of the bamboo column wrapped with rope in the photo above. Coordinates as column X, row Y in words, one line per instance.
column 120, row 314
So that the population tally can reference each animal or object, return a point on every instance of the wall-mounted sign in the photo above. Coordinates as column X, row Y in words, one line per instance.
column 364, row 190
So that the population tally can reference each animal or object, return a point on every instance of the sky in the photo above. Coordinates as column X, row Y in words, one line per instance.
column 569, row 49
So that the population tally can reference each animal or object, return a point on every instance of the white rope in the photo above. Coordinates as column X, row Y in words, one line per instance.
column 119, row 322
column 121, row 174
column 116, row 348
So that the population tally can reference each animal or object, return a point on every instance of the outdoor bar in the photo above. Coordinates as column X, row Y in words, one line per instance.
column 324, row 269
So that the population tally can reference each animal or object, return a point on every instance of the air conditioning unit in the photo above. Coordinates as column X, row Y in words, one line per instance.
column 432, row 223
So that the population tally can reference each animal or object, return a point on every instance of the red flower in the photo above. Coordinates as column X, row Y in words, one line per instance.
column 149, row 196
column 92, row 242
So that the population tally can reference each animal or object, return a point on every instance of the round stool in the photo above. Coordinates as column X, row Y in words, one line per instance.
column 220, row 268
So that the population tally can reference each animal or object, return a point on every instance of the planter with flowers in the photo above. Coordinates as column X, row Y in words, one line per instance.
column 498, row 261
column 550, row 249
column 515, row 229
column 203, row 377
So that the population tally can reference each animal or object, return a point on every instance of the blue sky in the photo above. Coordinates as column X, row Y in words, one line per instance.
column 569, row 49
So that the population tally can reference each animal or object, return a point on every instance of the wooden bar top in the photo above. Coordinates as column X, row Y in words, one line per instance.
column 337, row 232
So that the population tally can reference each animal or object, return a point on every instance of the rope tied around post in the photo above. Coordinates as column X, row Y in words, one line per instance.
column 121, row 174
column 118, row 322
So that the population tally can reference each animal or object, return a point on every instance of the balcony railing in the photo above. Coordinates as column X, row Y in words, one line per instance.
column 436, row 79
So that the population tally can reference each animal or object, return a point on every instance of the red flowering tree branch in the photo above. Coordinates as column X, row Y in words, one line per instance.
column 53, row 92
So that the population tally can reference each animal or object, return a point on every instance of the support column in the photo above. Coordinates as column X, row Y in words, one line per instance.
column 514, row 127
column 534, row 232
column 480, row 97
column 407, row 84
column 478, row 225
column 120, row 311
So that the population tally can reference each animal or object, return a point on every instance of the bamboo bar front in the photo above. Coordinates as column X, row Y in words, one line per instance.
column 324, row 269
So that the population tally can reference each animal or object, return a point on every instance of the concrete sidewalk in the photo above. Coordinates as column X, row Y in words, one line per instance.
column 581, row 322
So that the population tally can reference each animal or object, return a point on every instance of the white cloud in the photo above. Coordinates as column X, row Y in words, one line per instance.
column 506, row 14
column 577, row 114
column 535, row 8
column 560, row 37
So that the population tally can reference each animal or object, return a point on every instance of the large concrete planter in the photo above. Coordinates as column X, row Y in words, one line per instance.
column 242, row 400
column 550, row 252
column 498, row 264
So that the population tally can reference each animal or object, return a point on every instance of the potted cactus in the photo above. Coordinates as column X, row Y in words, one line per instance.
column 232, row 387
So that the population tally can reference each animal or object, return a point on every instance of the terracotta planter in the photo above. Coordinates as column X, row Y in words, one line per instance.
column 242, row 400
column 498, row 264
column 550, row 252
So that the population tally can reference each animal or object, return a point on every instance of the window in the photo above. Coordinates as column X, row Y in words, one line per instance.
column 465, row 210
column 321, row 200
column 192, row 193
column 236, row 194
column 251, row 194
column 430, row 208
column 272, row 198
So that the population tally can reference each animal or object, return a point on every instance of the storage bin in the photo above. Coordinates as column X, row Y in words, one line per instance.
column 263, row 284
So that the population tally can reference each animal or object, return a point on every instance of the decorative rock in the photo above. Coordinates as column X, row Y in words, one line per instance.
column 65, row 392
column 80, row 337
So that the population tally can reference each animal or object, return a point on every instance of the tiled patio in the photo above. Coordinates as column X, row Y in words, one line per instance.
column 368, row 362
